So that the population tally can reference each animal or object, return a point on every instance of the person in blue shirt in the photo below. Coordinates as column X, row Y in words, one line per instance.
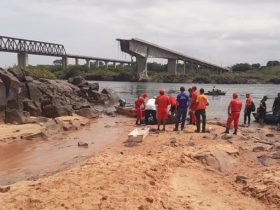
column 183, row 103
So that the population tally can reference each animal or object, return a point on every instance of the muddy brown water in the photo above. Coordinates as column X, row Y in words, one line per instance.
column 29, row 160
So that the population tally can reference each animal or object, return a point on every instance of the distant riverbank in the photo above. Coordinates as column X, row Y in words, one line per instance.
column 263, row 75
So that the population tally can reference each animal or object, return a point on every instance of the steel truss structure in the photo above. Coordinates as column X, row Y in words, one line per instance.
column 15, row 45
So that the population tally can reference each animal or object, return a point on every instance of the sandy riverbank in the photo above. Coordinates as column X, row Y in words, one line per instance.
column 171, row 170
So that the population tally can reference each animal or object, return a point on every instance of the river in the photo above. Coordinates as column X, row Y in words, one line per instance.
column 218, row 104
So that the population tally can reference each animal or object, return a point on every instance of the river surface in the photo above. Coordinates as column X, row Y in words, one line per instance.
column 218, row 104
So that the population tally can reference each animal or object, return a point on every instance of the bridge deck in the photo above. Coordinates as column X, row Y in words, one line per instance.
column 178, row 55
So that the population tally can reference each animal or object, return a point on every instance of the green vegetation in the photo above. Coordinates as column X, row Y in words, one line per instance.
column 241, row 73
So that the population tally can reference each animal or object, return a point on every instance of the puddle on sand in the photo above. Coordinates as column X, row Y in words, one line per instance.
column 31, row 159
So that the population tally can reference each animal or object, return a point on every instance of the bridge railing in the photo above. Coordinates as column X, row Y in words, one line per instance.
column 9, row 44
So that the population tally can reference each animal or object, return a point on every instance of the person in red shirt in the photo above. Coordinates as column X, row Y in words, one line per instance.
column 234, row 109
column 173, row 104
column 248, row 109
column 193, row 104
column 162, row 102
column 138, row 106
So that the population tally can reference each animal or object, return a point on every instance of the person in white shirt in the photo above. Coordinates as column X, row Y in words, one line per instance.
column 150, row 111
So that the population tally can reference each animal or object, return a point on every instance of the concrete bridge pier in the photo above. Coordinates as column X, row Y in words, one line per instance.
column 76, row 61
column 97, row 64
column 172, row 66
column 115, row 65
column 88, row 63
column 22, row 60
column 64, row 62
column 106, row 64
column 141, row 67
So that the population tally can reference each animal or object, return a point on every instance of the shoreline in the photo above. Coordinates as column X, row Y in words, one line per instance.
column 168, row 170
column 32, row 151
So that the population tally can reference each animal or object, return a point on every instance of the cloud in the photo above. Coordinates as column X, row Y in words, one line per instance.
column 219, row 31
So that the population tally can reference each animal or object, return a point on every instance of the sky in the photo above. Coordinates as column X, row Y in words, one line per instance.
column 223, row 32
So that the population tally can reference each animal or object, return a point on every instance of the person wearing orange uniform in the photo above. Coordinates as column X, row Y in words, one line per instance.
column 173, row 104
column 193, row 104
column 234, row 109
column 162, row 102
column 140, row 101
column 201, row 103
column 248, row 109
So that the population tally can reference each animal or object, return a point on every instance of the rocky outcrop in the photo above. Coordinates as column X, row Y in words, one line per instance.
column 21, row 93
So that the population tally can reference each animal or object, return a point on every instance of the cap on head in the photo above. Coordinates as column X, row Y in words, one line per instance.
column 194, row 88
column 145, row 95
column 234, row 95
column 182, row 89
column 161, row 92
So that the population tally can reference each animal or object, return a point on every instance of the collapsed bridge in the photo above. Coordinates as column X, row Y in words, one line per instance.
column 143, row 50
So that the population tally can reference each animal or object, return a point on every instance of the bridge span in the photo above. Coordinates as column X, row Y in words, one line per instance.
column 24, row 47
column 143, row 50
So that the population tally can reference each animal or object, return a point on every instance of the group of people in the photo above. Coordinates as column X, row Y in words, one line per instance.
column 195, row 103
column 157, row 108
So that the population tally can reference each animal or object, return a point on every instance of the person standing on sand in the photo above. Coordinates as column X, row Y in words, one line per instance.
column 182, row 101
column 162, row 102
column 193, row 104
column 202, row 102
column 138, row 106
column 262, row 109
column 276, row 108
column 234, row 109
column 248, row 109
column 190, row 98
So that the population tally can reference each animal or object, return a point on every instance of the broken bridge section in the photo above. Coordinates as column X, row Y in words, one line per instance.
column 143, row 50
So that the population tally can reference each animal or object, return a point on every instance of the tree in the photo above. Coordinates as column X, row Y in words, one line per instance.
column 241, row 67
column 256, row 66
column 273, row 63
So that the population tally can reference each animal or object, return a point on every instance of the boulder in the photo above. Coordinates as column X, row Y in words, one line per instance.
column 3, row 99
column 12, row 84
column 14, row 116
column 32, row 108
column 87, row 112
column 15, row 104
column 53, row 111
column 34, row 92
column 19, row 74
column 112, row 95
column 78, row 80
column 96, row 97
column 28, row 79
column 94, row 86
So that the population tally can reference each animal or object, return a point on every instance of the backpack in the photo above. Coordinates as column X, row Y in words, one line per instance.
column 253, row 107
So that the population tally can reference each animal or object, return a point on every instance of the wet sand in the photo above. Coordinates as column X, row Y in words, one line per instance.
column 168, row 170
column 30, row 159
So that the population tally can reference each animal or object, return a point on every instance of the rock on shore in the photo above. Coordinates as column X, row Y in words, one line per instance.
column 22, row 96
